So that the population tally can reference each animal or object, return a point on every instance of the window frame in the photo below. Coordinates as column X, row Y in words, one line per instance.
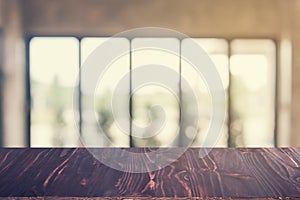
column 1, row 85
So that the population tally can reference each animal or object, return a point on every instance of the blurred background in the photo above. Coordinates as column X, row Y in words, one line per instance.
column 255, row 45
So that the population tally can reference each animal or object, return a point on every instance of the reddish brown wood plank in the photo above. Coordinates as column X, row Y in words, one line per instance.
column 131, row 198
column 235, row 173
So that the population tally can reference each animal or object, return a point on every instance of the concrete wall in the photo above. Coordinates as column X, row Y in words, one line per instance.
column 13, row 70
column 295, row 139
column 1, row 13
column 277, row 19
column 193, row 17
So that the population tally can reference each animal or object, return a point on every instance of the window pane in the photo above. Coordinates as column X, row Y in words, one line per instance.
column 252, row 67
column 111, row 133
column 149, row 97
column 217, row 50
column 53, row 73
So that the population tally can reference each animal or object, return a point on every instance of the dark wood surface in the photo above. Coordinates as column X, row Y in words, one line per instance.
column 235, row 173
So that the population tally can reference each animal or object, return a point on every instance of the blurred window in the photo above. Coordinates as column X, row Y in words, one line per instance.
column 217, row 50
column 53, row 71
column 253, row 68
column 147, row 115
column 246, row 67
column 102, row 96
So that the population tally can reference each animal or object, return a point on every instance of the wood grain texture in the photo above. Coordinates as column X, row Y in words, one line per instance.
column 234, row 173
column 135, row 198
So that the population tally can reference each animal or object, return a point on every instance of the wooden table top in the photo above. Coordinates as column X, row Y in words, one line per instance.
column 227, row 173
